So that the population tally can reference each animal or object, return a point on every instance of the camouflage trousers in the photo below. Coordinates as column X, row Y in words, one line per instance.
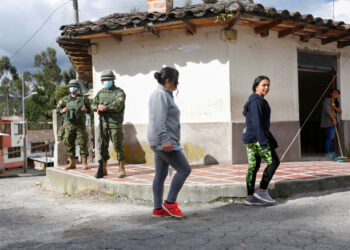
column 113, row 132
column 255, row 154
column 75, row 132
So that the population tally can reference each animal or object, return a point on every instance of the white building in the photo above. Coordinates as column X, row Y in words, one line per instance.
column 218, row 49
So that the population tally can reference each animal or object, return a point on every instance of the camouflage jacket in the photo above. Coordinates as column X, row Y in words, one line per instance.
column 114, row 100
column 74, row 104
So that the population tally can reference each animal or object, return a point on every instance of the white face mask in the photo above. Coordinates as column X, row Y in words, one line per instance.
column 108, row 84
column 73, row 90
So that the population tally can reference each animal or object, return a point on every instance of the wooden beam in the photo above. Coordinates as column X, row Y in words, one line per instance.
column 75, row 46
column 265, row 27
column 75, row 41
column 234, row 20
column 151, row 29
column 82, row 63
column 287, row 32
column 343, row 44
column 307, row 37
column 334, row 38
column 266, row 33
column 78, row 54
column 76, row 51
column 191, row 28
column 117, row 37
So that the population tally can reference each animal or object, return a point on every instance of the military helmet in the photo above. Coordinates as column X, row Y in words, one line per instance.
column 74, row 83
column 107, row 75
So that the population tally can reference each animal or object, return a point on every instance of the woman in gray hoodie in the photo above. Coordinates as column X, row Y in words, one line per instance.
column 164, row 139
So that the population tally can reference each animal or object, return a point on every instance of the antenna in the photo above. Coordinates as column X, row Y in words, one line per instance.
column 333, row 10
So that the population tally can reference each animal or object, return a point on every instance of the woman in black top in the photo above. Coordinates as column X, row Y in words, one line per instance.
column 259, row 142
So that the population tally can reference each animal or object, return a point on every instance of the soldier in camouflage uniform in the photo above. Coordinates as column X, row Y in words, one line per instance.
column 110, row 103
column 74, row 107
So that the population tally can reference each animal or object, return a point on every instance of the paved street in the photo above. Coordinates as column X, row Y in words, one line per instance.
column 33, row 218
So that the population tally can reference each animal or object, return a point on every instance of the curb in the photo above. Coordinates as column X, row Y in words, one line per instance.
column 70, row 183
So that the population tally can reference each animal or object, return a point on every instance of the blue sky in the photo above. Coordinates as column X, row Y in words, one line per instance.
column 19, row 19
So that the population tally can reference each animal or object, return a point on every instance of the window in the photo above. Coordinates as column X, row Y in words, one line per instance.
column 18, row 129
column 5, row 127
column 14, row 152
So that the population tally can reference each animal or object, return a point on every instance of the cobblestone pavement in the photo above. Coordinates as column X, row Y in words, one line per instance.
column 33, row 218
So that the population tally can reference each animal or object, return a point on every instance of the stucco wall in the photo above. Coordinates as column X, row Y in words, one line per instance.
column 215, row 81
column 345, row 83
column 203, row 97
column 253, row 55
column 201, row 60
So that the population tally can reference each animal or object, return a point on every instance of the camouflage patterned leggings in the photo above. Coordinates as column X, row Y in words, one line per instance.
column 255, row 154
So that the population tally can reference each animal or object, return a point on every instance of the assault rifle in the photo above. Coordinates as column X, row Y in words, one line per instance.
column 99, row 173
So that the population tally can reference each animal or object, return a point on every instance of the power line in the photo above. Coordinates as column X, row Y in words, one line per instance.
column 40, row 27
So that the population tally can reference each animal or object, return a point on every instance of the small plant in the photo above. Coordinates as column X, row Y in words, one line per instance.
column 223, row 17
column 284, row 195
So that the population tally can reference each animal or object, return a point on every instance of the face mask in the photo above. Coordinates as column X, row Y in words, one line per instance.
column 108, row 84
column 73, row 89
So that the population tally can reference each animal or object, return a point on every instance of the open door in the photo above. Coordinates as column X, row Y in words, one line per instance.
column 315, row 74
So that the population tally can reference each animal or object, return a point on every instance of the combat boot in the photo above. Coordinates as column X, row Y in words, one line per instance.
column 105, row 168
column 71, row 164
column 84, row 162
column 121, row 170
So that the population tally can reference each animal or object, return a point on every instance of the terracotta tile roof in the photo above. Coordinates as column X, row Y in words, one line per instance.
column 75, row 38
column 119, row 21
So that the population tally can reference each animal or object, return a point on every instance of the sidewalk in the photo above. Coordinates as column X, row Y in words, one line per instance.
column 206, row 183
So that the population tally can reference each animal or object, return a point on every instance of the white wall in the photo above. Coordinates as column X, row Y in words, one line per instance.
column 276, row 58
column 252, row 55
column 205, row 72
column 202, row 61
column 345, row 83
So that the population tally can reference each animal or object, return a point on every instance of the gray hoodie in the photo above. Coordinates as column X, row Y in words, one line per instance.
column 164, row 118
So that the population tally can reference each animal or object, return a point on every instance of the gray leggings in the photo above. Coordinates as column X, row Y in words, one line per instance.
column 162, row 161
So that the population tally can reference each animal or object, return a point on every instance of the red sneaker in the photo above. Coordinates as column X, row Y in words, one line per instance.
column 161, row 212
column 173, row 209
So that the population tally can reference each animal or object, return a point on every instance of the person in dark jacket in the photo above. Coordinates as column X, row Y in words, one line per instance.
column 259, row 142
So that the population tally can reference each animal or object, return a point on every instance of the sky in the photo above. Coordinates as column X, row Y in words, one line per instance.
column 21, row 19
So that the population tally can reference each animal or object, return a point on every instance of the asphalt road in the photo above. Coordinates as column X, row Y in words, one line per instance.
column 34, row 218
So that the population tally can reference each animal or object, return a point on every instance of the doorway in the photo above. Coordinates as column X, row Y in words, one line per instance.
column 315, row 73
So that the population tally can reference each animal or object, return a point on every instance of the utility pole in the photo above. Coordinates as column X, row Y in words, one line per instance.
column 76, row 12
column 333, row 10
column 24, row 127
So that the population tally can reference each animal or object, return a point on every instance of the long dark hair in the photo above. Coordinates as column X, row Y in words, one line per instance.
column 258, row 80
column 336, row 102
column 167, row 73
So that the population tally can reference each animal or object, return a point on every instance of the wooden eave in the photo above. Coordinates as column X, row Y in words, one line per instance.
column 77, row 47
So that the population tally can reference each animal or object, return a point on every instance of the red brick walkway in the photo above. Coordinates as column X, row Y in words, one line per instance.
column 225, row 174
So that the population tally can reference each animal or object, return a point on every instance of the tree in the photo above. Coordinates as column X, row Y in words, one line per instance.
column 46, row 79
column 60, row 92
column 8, row 76
column 68, row 75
